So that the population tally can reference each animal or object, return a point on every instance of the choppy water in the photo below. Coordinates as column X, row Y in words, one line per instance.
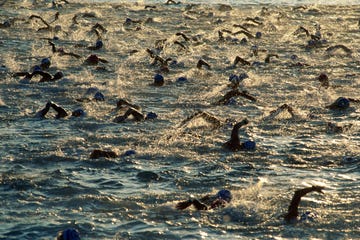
column 49, row 183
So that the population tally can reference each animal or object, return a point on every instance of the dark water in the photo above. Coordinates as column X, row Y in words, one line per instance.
column 49, row 183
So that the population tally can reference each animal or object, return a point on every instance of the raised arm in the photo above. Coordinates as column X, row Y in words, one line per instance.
column 293, row 213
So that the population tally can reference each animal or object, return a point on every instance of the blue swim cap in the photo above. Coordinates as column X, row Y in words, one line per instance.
column 294, row 57
column 342, row 103
column 258, row 34
column 158, row 79
column 225, row 195
column 99, row 96
column 130, row 152
column 231, row 101
column 181, row 79
column 99, row 44
column 45, row 63
column 151, row 115
column 71, row 234
column 249, row 145
column 234, row 78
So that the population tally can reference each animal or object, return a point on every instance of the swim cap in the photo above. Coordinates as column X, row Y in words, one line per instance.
column 225, row 195
column 130, row 152
column 92, row 59
column 234, row 79
column 58, row 75
column 45, row 63
column 158, row 80
column 70, row 234
column 342, row 103
column 294, row 57
column 231, row 101
column 249, row 145
column 258, row 34
column 99, row 96
column 99, row 44
column 151, row 115
column 78, row 113
column 243, row 41
column 7, row 23
column 181, row 79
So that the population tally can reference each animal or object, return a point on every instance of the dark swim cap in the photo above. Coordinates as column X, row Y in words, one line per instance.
column 70, row 234
column 99, row 44
column 99, row 96
column 249, row 145
column 224, row 195
column 78, row 113
column 158, row 80
column 151, row 115
column 342, row 103
column 45, row 63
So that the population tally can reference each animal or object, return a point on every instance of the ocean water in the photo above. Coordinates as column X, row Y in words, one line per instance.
column 49, row 182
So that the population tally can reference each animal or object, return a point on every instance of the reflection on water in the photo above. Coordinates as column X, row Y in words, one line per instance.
column 49, row 182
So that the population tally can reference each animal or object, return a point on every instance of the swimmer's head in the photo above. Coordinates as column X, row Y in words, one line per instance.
column 7, row 24
column 249, row 145
column 99, row 44
column 92, row 59
column 129, row 152
column 181, row 79
column 341, row 103
column 243, row 41
column 323, row 77
column 99, row 96
column 151, row 115
column 69, row 234
column 58, row 75
column 258, row 34
column 45, row 63
column 78, row 113
column 224, row 195
column 158, row 80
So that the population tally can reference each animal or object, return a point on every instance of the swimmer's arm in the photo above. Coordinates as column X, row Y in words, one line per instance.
column 61, row 113
column 198, row 205
column 245, row 94
column 294, row 205
column 354, row 100
column 44, row 111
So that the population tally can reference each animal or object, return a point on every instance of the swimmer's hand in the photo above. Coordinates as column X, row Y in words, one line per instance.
column 318, row 189
column 183, row 205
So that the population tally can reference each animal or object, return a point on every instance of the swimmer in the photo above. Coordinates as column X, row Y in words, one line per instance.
column 226, row 99
column 68, row 234
column 62, row 52
column 293, row 213
column 186, row 38
column 248, row 34
column 219, row 200
column 324, row 80
column 97, row 153
column 61, row 113
column 93, row 59
column 240, row 60
column 234, row 143
column 334, row 128
column 122, row 102
column 136, row 114
column 284, row 107
column 215, row 121
column 342, row 103
column 332, row 49
column 45, row 77
column 202, row 63
column 98, row 45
